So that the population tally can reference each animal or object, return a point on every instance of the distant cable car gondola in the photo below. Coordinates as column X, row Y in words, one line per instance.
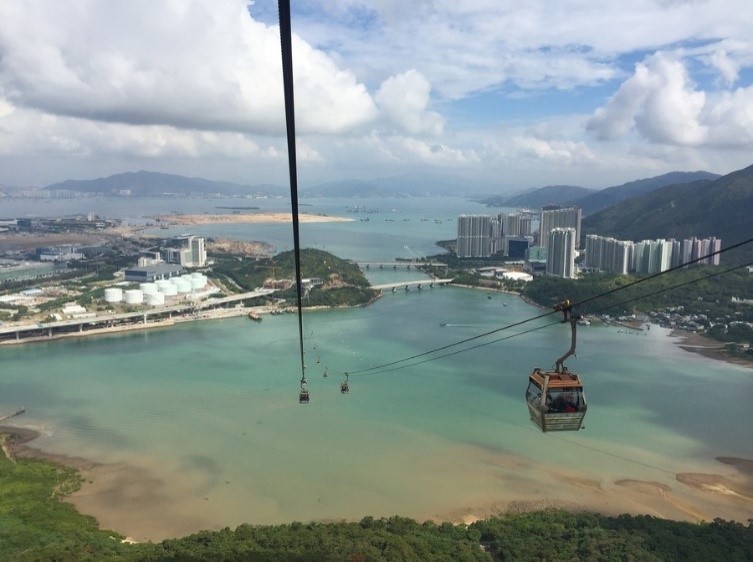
column 303, row 397
column 344, row 388
column 555, row 399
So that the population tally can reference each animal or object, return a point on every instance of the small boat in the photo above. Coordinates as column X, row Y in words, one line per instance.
column 254, row 316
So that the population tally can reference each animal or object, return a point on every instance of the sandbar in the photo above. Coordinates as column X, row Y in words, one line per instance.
column 708, row 347
column 269, row 218
column 134, row 502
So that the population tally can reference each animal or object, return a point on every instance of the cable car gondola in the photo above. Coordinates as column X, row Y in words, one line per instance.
column 344, row 388
column 555, row 399
column 303, row 397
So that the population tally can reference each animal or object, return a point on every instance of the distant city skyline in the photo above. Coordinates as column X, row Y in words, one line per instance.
column 500, row 97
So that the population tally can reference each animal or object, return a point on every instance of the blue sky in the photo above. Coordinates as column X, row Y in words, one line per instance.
column 505, row 95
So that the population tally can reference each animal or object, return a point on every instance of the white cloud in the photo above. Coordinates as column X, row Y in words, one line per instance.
column 28, row 131
column 662, row 104
column 203, row 64
column 194, row 86
column 728, row 68
column 404, row 99
column 465, row 47
column 565, row 153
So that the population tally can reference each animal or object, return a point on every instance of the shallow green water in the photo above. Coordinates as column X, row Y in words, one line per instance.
column 211, row 407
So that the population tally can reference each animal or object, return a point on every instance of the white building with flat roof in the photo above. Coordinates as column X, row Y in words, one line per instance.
column 559, row 218
column 560, row 260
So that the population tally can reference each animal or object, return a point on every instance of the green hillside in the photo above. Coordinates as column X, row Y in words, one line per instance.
column 605, row 198
column 549, row 195
column 722, row 208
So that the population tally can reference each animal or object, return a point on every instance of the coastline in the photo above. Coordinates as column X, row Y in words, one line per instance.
column 708, row 347
column 277, row 218
column 132, row 502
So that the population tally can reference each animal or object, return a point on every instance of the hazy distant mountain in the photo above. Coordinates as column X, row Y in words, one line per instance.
column 347, row 188
column 155, row 183
column 537, row 198
column 594, row 202
column 407, row 185
column 721, row 207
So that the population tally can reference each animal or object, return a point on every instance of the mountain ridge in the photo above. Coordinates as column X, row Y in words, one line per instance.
column 146, row 183
column 720, row 207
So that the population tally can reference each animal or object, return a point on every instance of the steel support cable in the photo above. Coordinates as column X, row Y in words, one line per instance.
column 287, row 82
column 515, row 324
column 607, row 307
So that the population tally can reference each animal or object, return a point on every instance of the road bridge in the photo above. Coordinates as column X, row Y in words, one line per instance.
column 406, row 285
column 398, row 264
column 15, row 333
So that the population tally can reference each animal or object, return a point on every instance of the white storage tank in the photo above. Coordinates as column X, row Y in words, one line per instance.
column 134, row 296
column 198, row 284
column 169, row 290
column 148, row 288
column 162, row 283
column 183, row 286
column 156, row 299
column 113, row 294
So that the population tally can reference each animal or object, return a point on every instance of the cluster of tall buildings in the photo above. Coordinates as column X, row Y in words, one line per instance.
column 648, row 256
column 558, row 238
column 481, row 236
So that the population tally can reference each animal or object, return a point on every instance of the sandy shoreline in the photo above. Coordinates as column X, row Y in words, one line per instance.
column 180, row 220
column 133, row 502
column 708, row 347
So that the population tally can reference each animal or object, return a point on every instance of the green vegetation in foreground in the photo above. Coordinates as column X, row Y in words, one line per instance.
column 36, row 525
column 343, row 282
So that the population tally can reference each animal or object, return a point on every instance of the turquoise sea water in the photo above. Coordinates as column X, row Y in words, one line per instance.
column 210, row 408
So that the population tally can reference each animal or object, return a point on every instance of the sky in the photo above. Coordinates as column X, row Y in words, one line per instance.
column 501, row 95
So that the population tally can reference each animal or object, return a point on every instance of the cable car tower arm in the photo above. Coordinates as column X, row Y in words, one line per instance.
column 566, row 308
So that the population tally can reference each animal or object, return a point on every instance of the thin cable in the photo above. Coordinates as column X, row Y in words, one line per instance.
column 503, row 328
column 607, row 307
column 442, row 348
column 287, row 81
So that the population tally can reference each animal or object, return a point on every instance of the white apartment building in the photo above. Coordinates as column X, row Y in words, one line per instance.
column 559, row 218
column 474, row 236
column 560, row 260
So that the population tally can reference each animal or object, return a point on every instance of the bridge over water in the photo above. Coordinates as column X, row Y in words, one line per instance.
column 406, row 285
column 398, row 264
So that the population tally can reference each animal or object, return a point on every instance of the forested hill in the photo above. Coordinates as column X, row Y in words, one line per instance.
column 549, row 195
column 591, row 200
column 595, row 202
column 722, row 208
